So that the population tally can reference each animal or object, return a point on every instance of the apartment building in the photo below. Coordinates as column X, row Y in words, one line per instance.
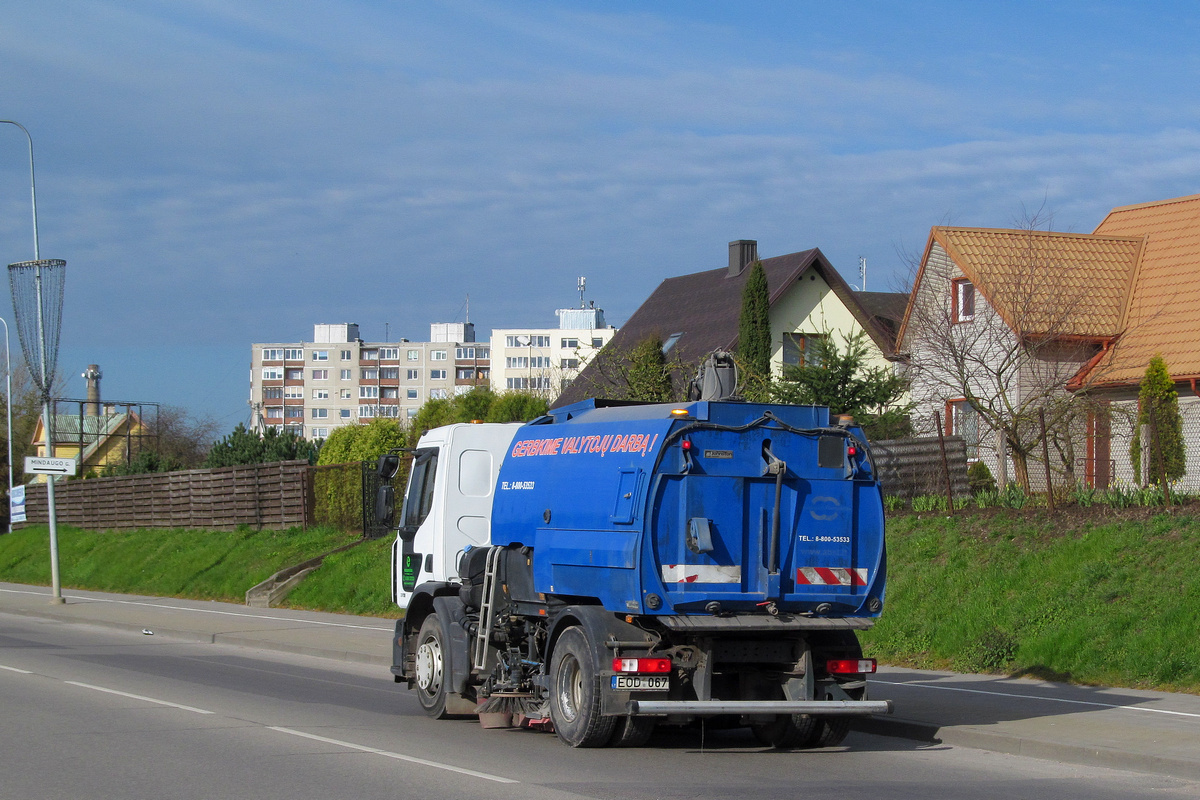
column 546, row 360
column 338, row 379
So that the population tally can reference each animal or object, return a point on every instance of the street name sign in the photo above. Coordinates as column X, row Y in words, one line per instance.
column 50, row 466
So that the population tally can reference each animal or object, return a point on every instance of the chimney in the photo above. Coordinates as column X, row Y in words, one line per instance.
column 742, row 254
column 92, row 376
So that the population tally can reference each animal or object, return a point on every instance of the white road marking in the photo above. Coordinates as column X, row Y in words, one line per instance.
column 14, row 669
column 138, row 697
column 1039, row 697
column 209, row 611
column 398, row 756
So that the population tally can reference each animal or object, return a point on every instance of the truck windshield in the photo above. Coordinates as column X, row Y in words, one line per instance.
column 419, row 499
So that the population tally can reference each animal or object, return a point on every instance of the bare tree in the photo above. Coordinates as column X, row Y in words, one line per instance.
column 1006, row 343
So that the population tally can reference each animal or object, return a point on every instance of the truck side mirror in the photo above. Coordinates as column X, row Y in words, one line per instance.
column 387, row 466
column 385, row 505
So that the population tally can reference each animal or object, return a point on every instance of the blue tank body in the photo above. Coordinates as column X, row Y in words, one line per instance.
column 670, row 508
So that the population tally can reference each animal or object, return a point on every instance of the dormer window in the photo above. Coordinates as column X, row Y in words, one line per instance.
column 963, row 300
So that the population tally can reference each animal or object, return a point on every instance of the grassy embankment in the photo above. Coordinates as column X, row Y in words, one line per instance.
column 1093, row 597
column 206, row 565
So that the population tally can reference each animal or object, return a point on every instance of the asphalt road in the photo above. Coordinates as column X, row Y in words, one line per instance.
column 93, row 713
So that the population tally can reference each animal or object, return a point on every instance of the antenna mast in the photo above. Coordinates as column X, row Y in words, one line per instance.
column 582, row 286
column 862, row 271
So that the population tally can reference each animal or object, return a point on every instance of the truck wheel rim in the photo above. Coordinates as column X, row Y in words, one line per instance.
column 429, row 666
column 570, row 688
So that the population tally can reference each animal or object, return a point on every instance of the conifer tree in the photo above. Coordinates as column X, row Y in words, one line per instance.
column 1158, row 405
column 754, row 325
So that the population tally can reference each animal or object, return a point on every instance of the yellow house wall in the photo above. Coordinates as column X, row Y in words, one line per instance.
column 812, row 307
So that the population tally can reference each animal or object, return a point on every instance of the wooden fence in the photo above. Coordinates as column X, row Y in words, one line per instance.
column 273, row 496
column 912, row 467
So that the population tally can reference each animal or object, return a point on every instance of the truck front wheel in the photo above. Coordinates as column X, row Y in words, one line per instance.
column 575, row 693
column 430, row 668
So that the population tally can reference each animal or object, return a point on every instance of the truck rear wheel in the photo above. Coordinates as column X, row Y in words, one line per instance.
column 632, row 731
column 430, row 668
column 575, row 693
column 788, row 730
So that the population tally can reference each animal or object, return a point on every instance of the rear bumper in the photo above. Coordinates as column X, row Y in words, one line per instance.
column 710, row 708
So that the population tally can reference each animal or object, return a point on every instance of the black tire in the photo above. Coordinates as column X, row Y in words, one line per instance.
column 632, row 731
column 788, row 731
column 832, row 730
column 575, row 693
column 430, row 668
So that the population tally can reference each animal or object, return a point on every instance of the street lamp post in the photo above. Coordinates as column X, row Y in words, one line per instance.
column 44, row 376
column 8, row 408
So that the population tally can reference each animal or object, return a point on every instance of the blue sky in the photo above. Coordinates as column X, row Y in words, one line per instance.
column 219, row 173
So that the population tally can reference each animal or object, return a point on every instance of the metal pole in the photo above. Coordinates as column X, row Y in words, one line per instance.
column 8, row 408
column 56, row 587
column 32, row 186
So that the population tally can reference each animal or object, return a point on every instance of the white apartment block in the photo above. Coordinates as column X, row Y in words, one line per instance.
column 546, row 360
column 338, row 379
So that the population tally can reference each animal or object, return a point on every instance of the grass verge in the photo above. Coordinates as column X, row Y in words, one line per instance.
column 1049, row 596
column 206, row 565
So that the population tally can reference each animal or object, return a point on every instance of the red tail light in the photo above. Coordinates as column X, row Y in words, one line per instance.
column 652, row 665
column 850, row 666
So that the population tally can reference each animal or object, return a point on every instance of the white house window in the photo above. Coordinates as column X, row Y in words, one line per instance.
column 347, row 355
column 411, row 393
column 370, row 355
column 294, row 392
column 320, row 433
column 570, row 344
column 295, row 374
column 389, row 373
column 293, row 354
column 320, row 394
column 437, row 355
column 273, row 393
column 320, row 413
column 273, row 354
column 272, row 374
column 570, row 363
column 344, row 413
column 320, row 355
column 389, row 353
column 369, row 374
column 320, row 374
column 414, row 374
column 346, row 374
column 345, row 394
column 964, row 300
column 437, row 394
column 293, row 412
column 414, row 355
column 368, row 391
column 366, row 411
column 437, row 374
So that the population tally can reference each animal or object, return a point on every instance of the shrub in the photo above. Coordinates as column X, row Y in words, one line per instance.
column 979, row 478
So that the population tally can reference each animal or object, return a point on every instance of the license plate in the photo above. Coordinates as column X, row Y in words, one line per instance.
column 638, row 683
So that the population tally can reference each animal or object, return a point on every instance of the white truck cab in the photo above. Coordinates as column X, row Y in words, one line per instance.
column 448, row 503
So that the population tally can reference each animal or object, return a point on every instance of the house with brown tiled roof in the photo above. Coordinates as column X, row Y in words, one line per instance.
column 1004, row 324
column 695, row 314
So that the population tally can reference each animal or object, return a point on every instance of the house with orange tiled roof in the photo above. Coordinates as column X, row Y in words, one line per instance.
column 1005, row 327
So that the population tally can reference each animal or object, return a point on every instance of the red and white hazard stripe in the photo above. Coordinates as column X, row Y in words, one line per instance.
column 701, row 573
column 831, row 576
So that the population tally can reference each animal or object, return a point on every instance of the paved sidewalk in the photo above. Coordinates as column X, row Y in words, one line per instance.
column 1153, row 732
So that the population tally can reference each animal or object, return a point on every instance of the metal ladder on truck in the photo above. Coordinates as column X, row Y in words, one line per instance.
column 487, row 610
